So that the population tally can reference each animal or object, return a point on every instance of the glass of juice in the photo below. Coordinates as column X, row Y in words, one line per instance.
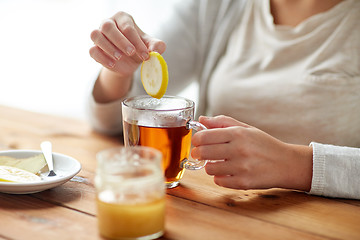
column 165, row 124
column 130, row 193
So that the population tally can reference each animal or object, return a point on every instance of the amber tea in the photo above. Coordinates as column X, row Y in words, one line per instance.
column 173, row 142
column 165, row 124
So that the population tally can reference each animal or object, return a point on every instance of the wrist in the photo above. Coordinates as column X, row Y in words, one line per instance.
column 300, row 167
column 110, row 86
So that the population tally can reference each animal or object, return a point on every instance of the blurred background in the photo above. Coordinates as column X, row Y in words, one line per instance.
column 45, row 64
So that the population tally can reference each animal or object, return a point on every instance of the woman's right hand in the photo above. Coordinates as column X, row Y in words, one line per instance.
column 120, row 46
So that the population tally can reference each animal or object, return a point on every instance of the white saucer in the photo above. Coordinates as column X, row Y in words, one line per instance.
column 65, row 168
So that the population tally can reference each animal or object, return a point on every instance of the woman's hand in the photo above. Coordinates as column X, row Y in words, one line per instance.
column 249, row 158
column 120, row 46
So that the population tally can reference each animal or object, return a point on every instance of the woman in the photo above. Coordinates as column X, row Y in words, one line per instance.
column 289, row 68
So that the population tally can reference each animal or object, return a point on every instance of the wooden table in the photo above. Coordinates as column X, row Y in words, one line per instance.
column 197, row 209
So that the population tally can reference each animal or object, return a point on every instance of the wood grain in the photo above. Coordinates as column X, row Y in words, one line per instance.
column 197, row 209
column 25, row 217
column 296, row 210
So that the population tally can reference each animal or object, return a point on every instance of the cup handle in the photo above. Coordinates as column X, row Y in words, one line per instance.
column 194, row 164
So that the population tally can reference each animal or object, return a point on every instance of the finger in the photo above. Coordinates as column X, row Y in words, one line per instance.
column 218, row 168
column 133, row 34
column 101, row 57
column 211, row 152
column 233, row 182
column 154, row 44
column 109, row 29
column 212, row 136
column 102, row 42
column 220, row 122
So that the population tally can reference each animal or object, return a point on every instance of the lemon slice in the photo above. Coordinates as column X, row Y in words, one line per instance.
column 13, row 174
column 154, row 75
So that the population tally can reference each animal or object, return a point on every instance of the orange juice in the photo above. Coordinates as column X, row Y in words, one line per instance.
column 131, row 221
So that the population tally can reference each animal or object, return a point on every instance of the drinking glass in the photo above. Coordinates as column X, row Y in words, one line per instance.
column 165, row 124
column 130, row 192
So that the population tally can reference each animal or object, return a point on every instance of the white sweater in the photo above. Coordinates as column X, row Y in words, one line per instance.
column 299, row 84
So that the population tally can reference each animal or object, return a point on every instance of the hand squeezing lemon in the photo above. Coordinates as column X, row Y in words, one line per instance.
column 154, row 75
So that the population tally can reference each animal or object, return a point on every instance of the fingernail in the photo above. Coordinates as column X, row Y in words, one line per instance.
column 144, row 56
column 130, row 51
column 117, row 55
column 111, row 64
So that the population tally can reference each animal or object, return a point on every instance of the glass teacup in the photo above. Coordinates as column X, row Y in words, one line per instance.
column 165, row 124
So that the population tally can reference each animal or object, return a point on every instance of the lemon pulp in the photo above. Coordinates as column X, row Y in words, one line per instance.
column 154, row 75
column 14, row 174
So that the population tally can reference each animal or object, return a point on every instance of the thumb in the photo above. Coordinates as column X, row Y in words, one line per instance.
column 220, row 122
column 154, row 44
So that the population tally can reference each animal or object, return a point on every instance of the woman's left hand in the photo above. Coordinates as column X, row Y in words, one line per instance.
column 248, row 158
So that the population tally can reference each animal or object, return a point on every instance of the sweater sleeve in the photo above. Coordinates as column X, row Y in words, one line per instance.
column 336, row 171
